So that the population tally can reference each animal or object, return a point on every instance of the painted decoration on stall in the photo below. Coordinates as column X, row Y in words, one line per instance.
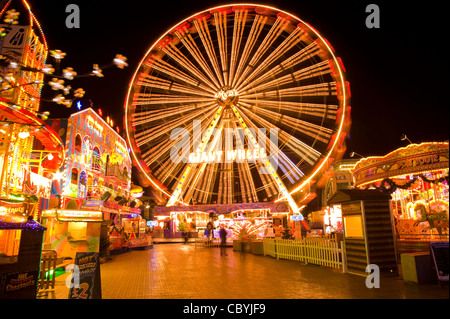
column 86, row 152
column 37, row 185
column 82, row 185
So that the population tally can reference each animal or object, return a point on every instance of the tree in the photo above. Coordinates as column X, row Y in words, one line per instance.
column 287, row 234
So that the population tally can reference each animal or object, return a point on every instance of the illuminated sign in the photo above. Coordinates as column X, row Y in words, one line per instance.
column 226, row 94
column 93, row 203
column 121, row 148
column 297, row 218
column 93, row 124
column 413, row 159
column 152, row 223
column 228, row 156
column 75, row 215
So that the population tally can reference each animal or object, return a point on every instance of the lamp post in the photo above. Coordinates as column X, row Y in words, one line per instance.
column 352, row 154
column 404, row 137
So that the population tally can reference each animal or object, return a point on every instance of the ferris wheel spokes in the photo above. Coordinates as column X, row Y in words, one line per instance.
column 174, row 73
column 172, row 51
column 303, row 150
column 286, row 165
column 238, row 31
column 306, row 53
column 276, row 30
column 255, row 31
column 220, row 19
column 202, row 27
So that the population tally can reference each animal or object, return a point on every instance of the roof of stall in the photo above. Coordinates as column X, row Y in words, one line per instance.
column 348, row 195
column 412, row 159
column 46, row 135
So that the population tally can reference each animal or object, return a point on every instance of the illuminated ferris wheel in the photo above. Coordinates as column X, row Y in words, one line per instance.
column 251, row 68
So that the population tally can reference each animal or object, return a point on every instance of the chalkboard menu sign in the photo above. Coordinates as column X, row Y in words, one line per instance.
column 439, row 251
column 86, row 283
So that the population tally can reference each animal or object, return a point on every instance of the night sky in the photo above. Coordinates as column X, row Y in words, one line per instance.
column 399, row 73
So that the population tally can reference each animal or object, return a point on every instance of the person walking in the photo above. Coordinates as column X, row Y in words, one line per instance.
column 243, row 236
column 209, row 231
column 223, row 241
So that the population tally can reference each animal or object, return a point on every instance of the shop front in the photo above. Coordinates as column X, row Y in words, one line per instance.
column 416, row 177
column 72, row 231
column 123, row 228
column 129, row 232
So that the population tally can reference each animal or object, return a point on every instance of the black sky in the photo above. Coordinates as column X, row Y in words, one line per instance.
column 399, row 73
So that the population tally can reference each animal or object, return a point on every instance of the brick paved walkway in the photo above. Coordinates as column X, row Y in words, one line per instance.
column 177, row 271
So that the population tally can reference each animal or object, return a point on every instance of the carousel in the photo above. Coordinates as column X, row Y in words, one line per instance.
column 417, row 178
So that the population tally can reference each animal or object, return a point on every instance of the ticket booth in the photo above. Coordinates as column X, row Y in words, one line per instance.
column 20, row 258
column 368, row 231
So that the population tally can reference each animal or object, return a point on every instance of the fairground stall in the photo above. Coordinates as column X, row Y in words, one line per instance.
column 70, row 231
column 30, row 151
column 259, row 220
column 93, row 188
column 30, row 154
column 417, row 178
column 327, row 219
column 20, row 253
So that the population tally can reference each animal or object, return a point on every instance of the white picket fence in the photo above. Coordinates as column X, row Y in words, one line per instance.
column 202, row 242
column 315, row 250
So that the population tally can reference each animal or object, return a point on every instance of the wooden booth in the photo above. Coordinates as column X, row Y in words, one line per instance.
column 368, row 232
column 20, row 257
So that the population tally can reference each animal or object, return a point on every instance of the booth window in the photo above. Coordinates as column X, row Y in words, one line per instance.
column 76, row 231
column 96, row 159
column 78, row 143
column 74, row 177
column 9, row 245
column 353, row 226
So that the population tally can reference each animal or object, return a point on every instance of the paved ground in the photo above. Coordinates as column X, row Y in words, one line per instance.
column 177, row 271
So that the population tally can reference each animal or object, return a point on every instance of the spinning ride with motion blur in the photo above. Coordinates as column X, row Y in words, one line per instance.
column 237, row 104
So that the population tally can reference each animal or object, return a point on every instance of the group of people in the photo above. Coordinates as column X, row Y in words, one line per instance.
column 209, row 233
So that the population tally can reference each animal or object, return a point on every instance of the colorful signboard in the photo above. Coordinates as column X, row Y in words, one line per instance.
column 19, row 285
column 412, row 159
column 275, row 207
column 439, row 252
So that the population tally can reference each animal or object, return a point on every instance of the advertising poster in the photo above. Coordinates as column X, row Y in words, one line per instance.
column 19, row 285
column 440, row 254
column 86, row 283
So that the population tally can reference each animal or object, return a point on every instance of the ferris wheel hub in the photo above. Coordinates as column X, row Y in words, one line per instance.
column 227, row 96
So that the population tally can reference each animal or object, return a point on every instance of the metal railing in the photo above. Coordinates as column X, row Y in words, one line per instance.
column 201, row 242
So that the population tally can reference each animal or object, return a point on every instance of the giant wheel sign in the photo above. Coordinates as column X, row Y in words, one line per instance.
column 236, row 68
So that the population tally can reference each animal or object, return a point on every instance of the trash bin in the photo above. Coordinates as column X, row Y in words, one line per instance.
column 417, row 267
